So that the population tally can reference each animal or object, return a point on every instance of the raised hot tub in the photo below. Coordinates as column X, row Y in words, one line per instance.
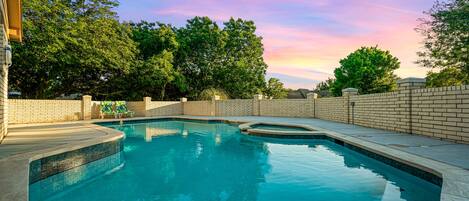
column 280, row 130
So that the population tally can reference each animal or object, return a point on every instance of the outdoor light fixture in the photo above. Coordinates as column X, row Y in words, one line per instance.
column 7, row 55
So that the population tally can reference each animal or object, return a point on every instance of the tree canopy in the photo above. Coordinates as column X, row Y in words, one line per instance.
column 368, row 69
column 446, row 44
column 200, row 55
column 154, row 72
column 323, row 89
column 230, row 58
column 243, row 72
column 70, row 47
column 80, row 47
column 275, row 89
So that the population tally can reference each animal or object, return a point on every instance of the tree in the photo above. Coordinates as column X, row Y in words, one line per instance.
column 154, row 38
column 209, row 93
column 275, row 89
column 70, row 47
column 157, row 44
column 229, row 59
column 243, row 72
column 446, row 44
column 200, row 53
column 80, row 47
column 323, row 89
column 446, row 77
column 368, row 69
column 150, row 77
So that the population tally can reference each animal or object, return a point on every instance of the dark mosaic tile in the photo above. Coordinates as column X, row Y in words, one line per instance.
column 289, row 136
column 130, row 121
column 34, row 171
column 432, row 178
column 45, row 167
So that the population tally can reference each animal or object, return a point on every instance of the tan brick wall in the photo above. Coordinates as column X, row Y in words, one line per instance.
column 138, row 107
column 235, row 107
column 376, row 110
column 441, row 112
column 164, row 108
column 334, row 109
column 437, row 112
column 287, row 108
column 200, row 108
column 154, row 108
column 95, row 107
column 3, row 86
column 39, row 111
column 86, row 107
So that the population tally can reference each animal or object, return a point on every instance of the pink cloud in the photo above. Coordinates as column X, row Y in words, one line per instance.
column 303, row 35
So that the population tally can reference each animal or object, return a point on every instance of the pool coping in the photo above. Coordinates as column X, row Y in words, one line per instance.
column 15, row 178
column 454, row 187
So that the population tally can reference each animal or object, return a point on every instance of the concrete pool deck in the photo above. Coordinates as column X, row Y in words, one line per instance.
column 25, row 141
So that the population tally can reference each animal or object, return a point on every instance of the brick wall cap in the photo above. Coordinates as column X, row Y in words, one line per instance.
column 311, row 95
column 411, row 80
column 258, row 97
column 350, row 90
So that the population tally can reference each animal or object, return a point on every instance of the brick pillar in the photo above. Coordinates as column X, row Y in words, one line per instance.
column 312, row 97
column 213, row 105
column 146, row 105
column 348, row 104
column 86, row 107
column 3, row 84
column 404, row 105
column 256, row 109
column 183, row 100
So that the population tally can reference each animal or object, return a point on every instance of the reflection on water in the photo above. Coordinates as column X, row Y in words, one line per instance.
column 176, row 160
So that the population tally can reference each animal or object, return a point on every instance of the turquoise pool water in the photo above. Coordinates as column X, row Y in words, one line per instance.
column 194, row 161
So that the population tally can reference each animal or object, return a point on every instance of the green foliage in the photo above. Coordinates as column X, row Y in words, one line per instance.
column 229, row 59
column 153, row 75
column 275, row 89
column 153, row 38
column 70, row 47
column 323, row 89
column 80, row 47
column 200, row 53
column 446, row 38
column 447, row 77
column 368, row 69
column 446, row 41
column 207, row 94
column 243, row 73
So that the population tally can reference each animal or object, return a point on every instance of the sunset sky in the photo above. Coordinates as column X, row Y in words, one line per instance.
column 305, row 39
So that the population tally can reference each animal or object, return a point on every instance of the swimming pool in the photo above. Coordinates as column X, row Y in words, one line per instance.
column 190, row 160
